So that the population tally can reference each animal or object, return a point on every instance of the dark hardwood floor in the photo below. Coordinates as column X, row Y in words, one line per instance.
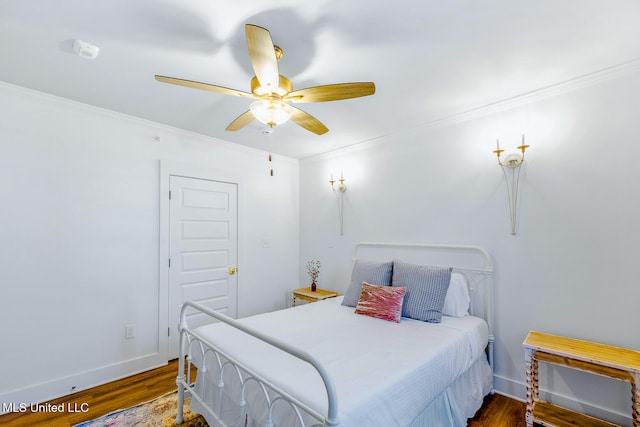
column 497, row 411
column 101, row 400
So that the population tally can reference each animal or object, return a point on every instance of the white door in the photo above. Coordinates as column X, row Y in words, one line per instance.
column 203, row 222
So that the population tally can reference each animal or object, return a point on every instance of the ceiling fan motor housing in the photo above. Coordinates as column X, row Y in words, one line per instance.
column 284, row 87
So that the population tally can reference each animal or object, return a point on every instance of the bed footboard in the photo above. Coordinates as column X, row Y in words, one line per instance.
column 270, row 394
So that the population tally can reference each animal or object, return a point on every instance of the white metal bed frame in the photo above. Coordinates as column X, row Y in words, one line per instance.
column 480, row 283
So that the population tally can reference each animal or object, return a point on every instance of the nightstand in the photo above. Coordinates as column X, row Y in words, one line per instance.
column 306, row 294
column 614, row 362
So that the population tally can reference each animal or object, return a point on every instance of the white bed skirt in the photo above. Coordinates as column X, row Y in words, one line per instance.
column 460, row 401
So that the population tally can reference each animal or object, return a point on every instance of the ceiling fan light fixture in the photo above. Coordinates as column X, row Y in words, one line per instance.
column 271, row 112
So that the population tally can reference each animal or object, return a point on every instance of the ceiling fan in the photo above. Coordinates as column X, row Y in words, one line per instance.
column 272, row 91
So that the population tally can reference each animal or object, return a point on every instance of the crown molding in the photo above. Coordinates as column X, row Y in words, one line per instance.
column 567, row 86
column 158, row 128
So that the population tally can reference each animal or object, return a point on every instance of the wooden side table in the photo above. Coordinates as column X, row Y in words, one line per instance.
column 306, row 294
column 614, row 362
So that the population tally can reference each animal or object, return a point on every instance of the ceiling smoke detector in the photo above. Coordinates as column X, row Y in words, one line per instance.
column 85, row 50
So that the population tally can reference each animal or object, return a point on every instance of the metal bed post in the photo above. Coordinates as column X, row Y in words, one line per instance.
column 180, row 379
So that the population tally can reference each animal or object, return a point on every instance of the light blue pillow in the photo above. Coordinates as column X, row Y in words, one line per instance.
column 426, row 289
column 372, row 272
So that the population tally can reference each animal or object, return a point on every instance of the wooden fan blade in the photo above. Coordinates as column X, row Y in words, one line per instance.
column 307, row 121
column 203, row 86
column 241, row 121
column 332, row 92
column 263, row 56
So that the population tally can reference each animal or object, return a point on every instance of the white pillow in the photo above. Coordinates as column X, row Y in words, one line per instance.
column 457, row 300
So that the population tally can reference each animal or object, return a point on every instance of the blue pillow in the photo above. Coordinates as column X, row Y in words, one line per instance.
column 373, row 272
column 426, row 289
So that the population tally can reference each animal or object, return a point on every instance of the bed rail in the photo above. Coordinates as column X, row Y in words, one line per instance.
column 188, row 337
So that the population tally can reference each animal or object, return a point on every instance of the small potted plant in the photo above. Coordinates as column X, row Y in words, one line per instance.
column 313, row 270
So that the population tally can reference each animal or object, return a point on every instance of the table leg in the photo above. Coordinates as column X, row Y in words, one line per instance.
column 532, row 385
column 635, row 400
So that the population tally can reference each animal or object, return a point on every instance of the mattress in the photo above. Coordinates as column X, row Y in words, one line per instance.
column 385, row 373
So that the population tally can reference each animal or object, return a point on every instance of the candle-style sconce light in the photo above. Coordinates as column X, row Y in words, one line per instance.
column 513, row 163
column 339, row 191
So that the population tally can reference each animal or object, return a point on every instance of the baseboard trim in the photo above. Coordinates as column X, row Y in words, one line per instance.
column 517, row 390
column 60, row 387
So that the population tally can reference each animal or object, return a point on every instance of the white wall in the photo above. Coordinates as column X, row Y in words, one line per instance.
column 571, row 269
column 79, row 233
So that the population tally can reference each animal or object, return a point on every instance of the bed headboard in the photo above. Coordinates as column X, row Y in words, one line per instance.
column 473, row 262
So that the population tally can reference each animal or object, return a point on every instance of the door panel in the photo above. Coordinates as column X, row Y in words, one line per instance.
column 205, row 230
column 202, row 247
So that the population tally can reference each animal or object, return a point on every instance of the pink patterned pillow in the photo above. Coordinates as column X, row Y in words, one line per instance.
column 383, row 302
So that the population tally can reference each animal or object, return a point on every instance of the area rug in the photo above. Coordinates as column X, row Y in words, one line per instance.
column 160, row 412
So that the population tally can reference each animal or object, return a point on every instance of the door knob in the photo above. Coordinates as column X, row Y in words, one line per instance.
column 232, row 270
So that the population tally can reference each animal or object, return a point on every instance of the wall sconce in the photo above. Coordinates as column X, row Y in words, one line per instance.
column 339, row 191
column 513, row 163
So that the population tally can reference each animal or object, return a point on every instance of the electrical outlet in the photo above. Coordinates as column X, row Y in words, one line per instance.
column 130, row 331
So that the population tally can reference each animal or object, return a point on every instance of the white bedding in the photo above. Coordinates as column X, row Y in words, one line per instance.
column 385, row 373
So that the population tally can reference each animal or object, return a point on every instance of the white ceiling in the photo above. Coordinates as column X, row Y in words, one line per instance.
column 429, row 59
